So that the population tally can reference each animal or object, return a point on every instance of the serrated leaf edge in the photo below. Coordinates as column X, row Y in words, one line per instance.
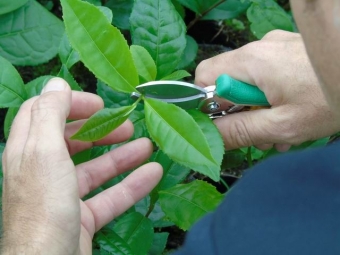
column 174, row 158
column 78, row 133
column 81, row 55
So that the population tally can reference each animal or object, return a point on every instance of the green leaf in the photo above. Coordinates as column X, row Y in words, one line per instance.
column 111, row 243
column 267, row 15
column 2, row 148
column 235, row 24
column 198, row 6
column 35, row 87
column 101, row 47
column 67, row 76
column 177, row 75
column 189, row 54
column 145, row 65
column 95, row 2
column 180, row 137
column 97, row 252
column 192, row 201
column 48, row 4
column 67, row 54
column 140, row 129
column 228, row 10
column 12, row 90
column 233, row 158
column 157, row 216
column 10, row 115
column 157, row 26
column 173, row 173
column 314, row 144
column 30, row 35
column 81, row 157
column 179, row 8
column 158, row 243
column 121, row 10
column 98, row 151
column 137, row 231
column 213, row 136
column 256, row 153
column 112, row 98
column 102, row 123
column 9, row 6
column 107, row 12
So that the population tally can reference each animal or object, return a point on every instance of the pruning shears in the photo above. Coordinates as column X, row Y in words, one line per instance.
column 227, row 96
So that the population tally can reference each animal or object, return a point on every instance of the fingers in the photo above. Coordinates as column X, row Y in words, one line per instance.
column 20, row 129
column 248, row 63
column 48, row 116
column 261, row 127
column 278, row 147
column 41, row 118
column 84, row 105
column 282, row 147
column 114, row 201
column 264, row 147
column 233, row 63
column 94, row 173
column 120, row 134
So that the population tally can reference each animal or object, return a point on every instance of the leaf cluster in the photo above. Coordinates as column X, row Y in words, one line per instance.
column 186, row 142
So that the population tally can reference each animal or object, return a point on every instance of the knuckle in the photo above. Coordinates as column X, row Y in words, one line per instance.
column 286, row 127
column 249, row 50
column 279, row 34
column 276, row 33
column 289, row 133
column 200, row 71
column 45, row 105
column 240, row 135
column 89, row 181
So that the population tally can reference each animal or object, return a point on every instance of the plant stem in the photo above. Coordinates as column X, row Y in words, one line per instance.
column 138, row 100
column 225, row 184
column 152, row 206
column 249, row 157
column 201, row 15
column 153, row 199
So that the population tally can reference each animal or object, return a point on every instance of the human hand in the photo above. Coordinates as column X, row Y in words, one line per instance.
column 278, row 64
column 42, row 210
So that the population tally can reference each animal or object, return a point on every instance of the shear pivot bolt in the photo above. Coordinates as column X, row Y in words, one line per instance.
column 213, row 106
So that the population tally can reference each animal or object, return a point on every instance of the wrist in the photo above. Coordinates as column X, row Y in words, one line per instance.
column 23, row 249
column 31, row 227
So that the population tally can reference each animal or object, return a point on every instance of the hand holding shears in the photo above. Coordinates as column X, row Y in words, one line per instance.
column 227, row 96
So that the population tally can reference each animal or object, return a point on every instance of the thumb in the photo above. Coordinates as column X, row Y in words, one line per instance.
column 48, row 116
column 245, row 129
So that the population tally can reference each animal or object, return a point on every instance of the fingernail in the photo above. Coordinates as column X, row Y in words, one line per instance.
column 55, row 84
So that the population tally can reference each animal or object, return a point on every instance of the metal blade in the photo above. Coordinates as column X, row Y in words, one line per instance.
column 183, row 94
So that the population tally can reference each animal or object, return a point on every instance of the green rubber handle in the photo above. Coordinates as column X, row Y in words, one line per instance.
column 239, row 92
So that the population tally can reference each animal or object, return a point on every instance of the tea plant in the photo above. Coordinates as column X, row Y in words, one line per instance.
column 22, row 22
column 160, row 49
